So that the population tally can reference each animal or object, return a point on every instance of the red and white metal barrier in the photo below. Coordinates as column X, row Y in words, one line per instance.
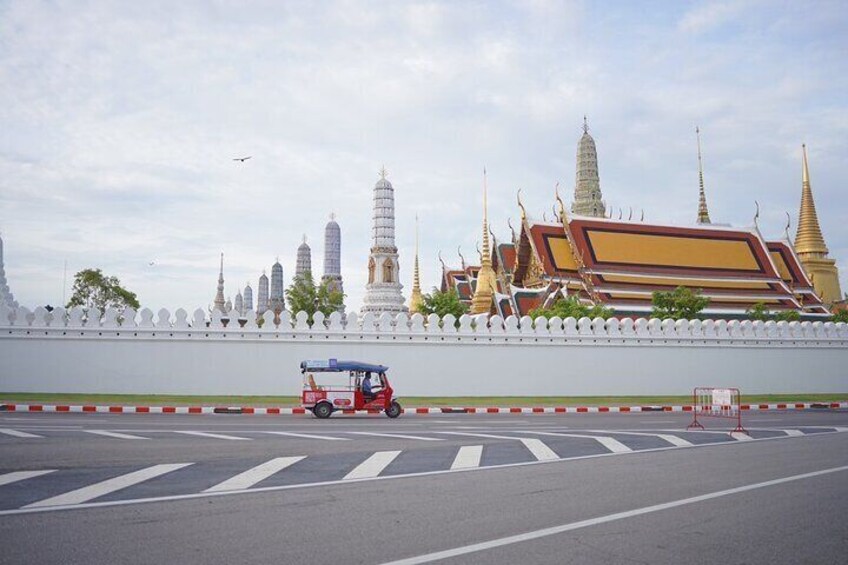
column 709, row 402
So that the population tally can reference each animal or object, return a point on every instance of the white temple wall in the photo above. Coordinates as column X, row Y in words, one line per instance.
column 575, row 358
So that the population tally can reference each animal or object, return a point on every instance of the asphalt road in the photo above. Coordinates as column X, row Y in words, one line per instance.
column 560, row 488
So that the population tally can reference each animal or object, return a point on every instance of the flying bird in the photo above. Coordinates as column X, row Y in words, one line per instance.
column 242, row 159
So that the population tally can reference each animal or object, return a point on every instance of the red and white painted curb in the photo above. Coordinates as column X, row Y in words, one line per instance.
column 90, row 408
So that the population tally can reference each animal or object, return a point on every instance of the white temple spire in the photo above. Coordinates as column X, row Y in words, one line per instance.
column 262, row 296
column 587, row 188
column 248, row 297
column 276, row 299
column 383, row 291
column 6, row 297
column 333, row 256
column 304, row 259
column 220, row 304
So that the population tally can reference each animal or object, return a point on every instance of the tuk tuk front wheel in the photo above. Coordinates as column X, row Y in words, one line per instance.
column 394, row 410
column 322, row 410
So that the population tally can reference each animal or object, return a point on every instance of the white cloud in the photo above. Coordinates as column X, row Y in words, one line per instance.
column 120, row 123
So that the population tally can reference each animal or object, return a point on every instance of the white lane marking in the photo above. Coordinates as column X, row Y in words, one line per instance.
column 539, row 450
column 116, row 435
column 252, row 476
column 396, row 436
column 102, row 488
column 324, row 484
column 373, row 466
column 308, row 436
column 610, row 443
column 213, row 436
column 793, row 432
column 555, row 530
column 16, row 433
column 16, row 476
column 468, row 457
column 739, row 436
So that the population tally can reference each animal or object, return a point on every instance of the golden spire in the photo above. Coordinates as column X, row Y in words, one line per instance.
column 703, row 213
column 484, row 294
column 810, row 246
column 809, row 238
column 416, row 300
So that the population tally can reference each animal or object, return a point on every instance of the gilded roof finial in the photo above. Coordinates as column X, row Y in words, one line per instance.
column 442, row 261
column 559, row 201
column 788, row 225
column 808, row 238
column 642, row 218
column 511, row 229
column 461, row 258
column 630, row 215
column 520, row 205
column 703, row 212
column 757, row 215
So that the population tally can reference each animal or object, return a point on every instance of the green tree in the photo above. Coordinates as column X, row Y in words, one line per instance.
column 787, row 316
column 841, row 316
column 443, row 303
column 682, row 303
column 759, row 311
column 93, row 289
column 305, row 296
column 571, row 307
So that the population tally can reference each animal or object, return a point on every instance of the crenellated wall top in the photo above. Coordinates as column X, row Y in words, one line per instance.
column 22, row 322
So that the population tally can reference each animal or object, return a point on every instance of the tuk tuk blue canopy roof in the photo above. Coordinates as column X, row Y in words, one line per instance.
column 338, row 366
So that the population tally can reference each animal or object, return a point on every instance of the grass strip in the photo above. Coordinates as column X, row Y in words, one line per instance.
column 286, row 401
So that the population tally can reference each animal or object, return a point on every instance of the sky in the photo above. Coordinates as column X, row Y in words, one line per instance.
column 119, row 123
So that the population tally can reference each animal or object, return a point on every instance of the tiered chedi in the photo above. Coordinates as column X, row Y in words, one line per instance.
column 6, row 297
column 810, row 246
column 333, row 257
column 587, row 188
column 383, row 291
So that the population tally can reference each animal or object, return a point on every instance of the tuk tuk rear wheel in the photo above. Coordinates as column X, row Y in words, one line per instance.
column 394, row 410
column 322, row 410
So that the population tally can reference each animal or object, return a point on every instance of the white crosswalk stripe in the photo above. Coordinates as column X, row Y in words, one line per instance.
column 214, row 436
column 373, row 466
column 309, row 436
column 18, row 433
column 739, row 436
column 256, row 474
column 108, row 486
column 610, row 443
column 539, row 450
column 468, row 457
column 16, row 476
column 397, row 436
column 536, row 446
column 116, row 435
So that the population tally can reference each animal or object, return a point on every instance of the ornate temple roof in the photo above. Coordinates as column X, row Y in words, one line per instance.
column 623, row 263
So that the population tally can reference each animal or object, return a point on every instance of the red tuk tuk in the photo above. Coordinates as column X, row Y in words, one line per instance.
column 323, row 400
